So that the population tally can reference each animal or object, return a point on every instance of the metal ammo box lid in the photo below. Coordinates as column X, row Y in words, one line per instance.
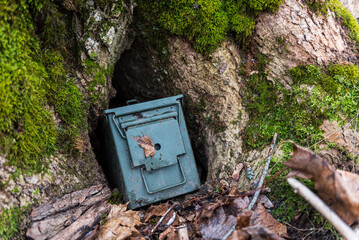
column 170, row 172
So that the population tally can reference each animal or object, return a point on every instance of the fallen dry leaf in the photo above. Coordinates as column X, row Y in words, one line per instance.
column 120, row 224
column 216, row 226
column 243, row 218
column 336, row 187
column 169, row 234
column 253, row 232
column 241, row 202
column 156, row 210
column 146, row 143
column 265, row 201
column 261, row 217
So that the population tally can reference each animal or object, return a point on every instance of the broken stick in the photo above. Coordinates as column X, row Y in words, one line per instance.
column 261, row 181
column 318, row 204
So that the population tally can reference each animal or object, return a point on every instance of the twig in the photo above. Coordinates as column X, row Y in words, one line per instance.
column 261, row 181
column 318, row 204
column 249, row 193
column 298, row 229
column 259, row 186
column 275, row 175
column 169, row 210
column 163, row 217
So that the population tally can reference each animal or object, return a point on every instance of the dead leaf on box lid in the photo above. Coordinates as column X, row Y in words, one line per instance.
column 336, row 187
column 146, row 143
column 260, row 216
column 120, row 224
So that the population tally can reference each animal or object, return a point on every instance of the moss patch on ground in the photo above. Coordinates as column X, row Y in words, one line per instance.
column 207, row 22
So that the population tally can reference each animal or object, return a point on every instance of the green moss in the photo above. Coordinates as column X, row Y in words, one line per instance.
column 207, row 22
column 10, row 222
column 98, row 75
column 33, row 81
column 239, row 117
column 290, row 203
column 27, row 132
column 315, row 95
column 116, row 198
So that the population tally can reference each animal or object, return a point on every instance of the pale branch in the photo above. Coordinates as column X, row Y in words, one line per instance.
column 318, row 204
column 261, row 181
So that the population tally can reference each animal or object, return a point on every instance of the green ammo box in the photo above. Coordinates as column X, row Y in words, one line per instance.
column 170, row 172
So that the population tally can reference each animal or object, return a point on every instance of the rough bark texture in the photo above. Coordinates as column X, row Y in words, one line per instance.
column 71, row 216
column 215, row 82
column 294, row 35
column 212, row 85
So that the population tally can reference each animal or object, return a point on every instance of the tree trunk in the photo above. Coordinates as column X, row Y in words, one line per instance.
column 213, row 87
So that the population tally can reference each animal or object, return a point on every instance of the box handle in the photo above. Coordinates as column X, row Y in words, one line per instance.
column 167, row 187
column 132, row 101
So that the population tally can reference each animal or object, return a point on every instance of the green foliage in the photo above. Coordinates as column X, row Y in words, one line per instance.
column 10, row 221
column 207, row 22
column 299, row 112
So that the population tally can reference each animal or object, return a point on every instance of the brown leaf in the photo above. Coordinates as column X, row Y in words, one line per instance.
column 170, row 234
column 235, row 174
column 146, row 143
column 157, row 211
column 254, row 232
column 335, row 187
column 239, row 235
column 120, row 224
column 243, row 218
column 265, row 201
column 260, row 216
column 347, row 193
column 241, row 202
column 216, row 226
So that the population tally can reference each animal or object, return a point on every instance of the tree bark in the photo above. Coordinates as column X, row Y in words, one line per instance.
column 71, row 216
